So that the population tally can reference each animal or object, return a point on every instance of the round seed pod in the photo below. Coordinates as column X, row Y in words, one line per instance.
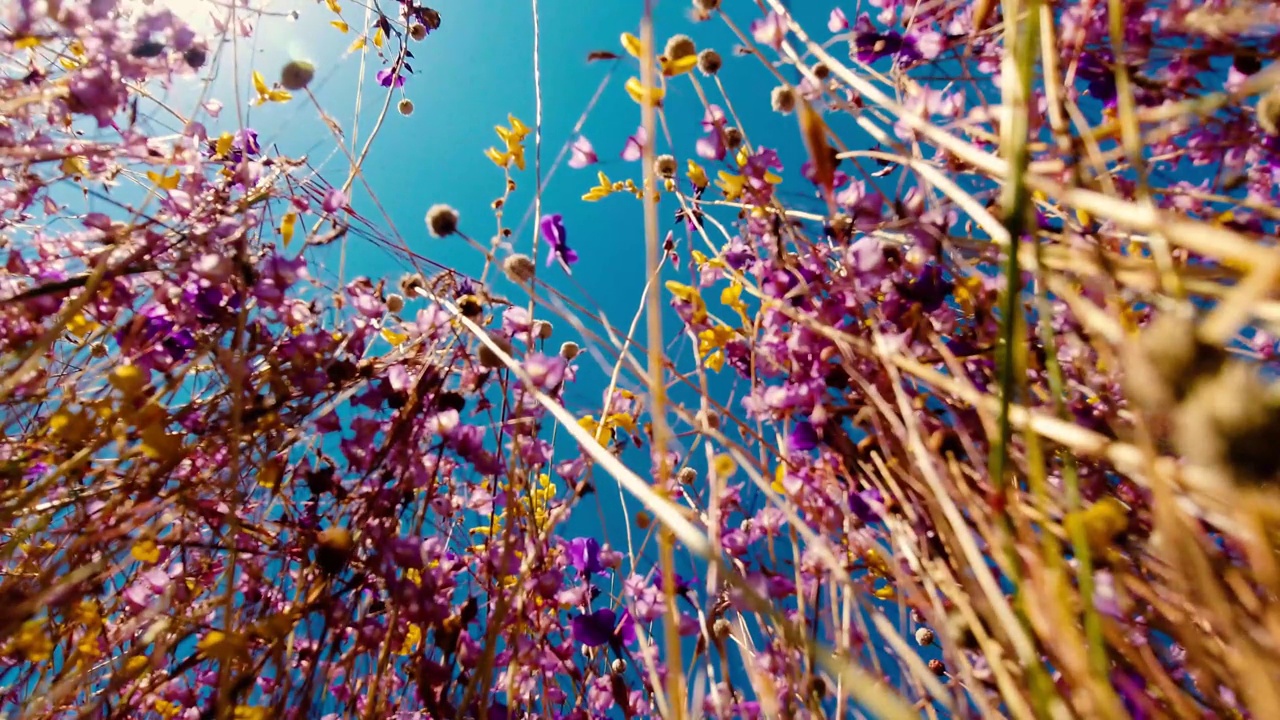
column 297, row 75
column 395, row 303
column 334, row 547
column 488, row 358
column 924, row 637
column 679, row 46
column 405, row 106
column 1230, row 423
column 519, row 268
column 442, row 220
column 783, row 100
column 569, row 350
column 721, row 629
column 709, row 62
column 618, row 666
column 732, row 137
column 1167, row 361
column 937, row 668
column 687, row 476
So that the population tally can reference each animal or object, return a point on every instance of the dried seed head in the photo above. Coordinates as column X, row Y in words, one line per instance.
column 410, row 283
column 709, row 62
column 720, row 629
column 1268, row 110
column 732, row 137
column 707, row 5
column 395, row 303
column 817, row 687
column 937, row 668
column 679, row 46
column 783, row 100
column 1230, row 423
column 569, row 350
column 618, row 666
column 687, row 476
column 924, row 637
column 417, row 31
column 488, row 358
column 545, row 329
column 1167, row 361
column 519, row 268
column 334, row 546
column 297, row 75
column 643, row 521
column 821, row 71
column 405, row 106
column 442, row 220
column 665, row 166
column 471, row 306
column 707, row 419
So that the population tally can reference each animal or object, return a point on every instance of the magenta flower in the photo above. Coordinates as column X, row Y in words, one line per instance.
column 711, row 146
column 334, row 200
column 838, row 22
column 770, row 30
column 388, row 77
column 635, row 145
column 582, row 154
column 604, row 627
column 803, row 438
column 552, row 230
column 584, row 554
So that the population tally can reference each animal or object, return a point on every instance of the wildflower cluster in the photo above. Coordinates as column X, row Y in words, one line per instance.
column 964, row 406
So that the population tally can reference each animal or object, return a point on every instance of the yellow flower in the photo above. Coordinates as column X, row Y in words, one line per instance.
column 32, row 642
column 697, row 175
column 632, row 45
column 724, row 466
column 166, row 708
column 513, row 138
column 679, row 66
column 691, row 296
column 334, row 7
column 732, row 297
column 604, row 189
column 341, row 25
column 394, row 337
column 778, row 474
column 146, row 551
column 731, row 185
column 164, row 183
column 641, row 94
column 218, row 645
column 286, row 226
column 713, row 340
column 884, row 593
column 411, row 640
column 267, row 93
column 223, row 147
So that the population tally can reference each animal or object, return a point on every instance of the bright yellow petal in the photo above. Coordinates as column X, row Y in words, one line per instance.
column 260, row 83
column 280, row 96
column 518, row 127
column 340, row 24
column 394, row 337
column 162, row 182
column 672, row 68
column 499, row 158
column 223, row 146
column 286, row 227
column 631, row 44
column 333, row 6
column 697, row 175
column 378, row 38
column 715, row 361
column 358, row 45
column 637, row 91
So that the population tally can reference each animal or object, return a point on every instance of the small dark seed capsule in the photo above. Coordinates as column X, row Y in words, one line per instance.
column 148, row 49
column 195, row 57
column 937, row 668
column 333, row 549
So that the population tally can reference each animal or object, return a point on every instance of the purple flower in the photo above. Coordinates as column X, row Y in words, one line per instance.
column 870, row 46
column 583, row 154
column 584, row 554
column 552, row 230
column 634, row 147
column 388, row 77
column 603, row 626
column 711, row 146
column 803, row 438
column 682, row 584
column 334, row 200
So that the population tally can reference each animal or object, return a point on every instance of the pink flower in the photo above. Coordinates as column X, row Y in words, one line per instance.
column 635, row 145
column 837, row 22
column 582, row 153
column 770, row 30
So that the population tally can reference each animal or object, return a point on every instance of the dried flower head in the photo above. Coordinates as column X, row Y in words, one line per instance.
column 544, row 329
column 924, row 637
column 687, row 476
column 732, row 138
column 1268, row 111
column 707, row 419
column 405, row 106
column 395, row 303
column 417, row 31
column 442, row 220
column 1229, row 423
column 709, row 62
column 707, row 5
column 569, row 350
column 519, row 268
column 297, row 74
column 783, row 99
column 488, row 358
column 411, row 283
column 720, row 629
column 618, row 666
column 937, row 668
column 665, row 166
column 679, row 46
column 334, row 547
column 821, row 71
column 470, row 306
column 1167, row 360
